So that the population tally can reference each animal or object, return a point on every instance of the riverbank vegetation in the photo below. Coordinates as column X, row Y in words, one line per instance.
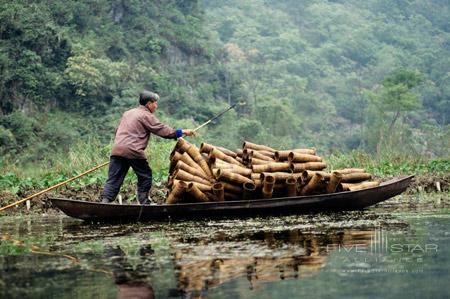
column 366, row 83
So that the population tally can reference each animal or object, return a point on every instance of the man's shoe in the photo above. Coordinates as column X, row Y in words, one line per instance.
column 105, row 200
column 143, row 198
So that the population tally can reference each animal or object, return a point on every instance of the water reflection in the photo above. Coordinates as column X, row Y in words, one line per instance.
column 254, row 258
column 265, row 257
column 131, row 282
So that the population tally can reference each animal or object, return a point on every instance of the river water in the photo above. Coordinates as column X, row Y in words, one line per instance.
column 397, row 249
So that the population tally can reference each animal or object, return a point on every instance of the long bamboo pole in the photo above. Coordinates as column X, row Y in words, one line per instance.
column 54, row 186
column 217, row 116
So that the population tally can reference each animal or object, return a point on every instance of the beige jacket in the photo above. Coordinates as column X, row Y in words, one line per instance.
column 134, row 130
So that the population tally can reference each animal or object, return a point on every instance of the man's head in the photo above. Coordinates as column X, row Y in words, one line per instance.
column 149, row 99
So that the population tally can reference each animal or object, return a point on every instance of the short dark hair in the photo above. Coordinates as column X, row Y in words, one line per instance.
column 147, row 96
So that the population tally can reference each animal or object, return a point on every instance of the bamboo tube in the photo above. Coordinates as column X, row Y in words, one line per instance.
column 299, row 167
column 313, row 184
column 355, row 177
column 256, row 161
column 215, row 172
column 298, row 157
column 238, row 170
column 202, row 187
column 175, row 196
column 272, row 167
column 239, row 152
column 246, row 155
column 192, row 170
column 182, row 145
column 231, row 196
column 258, row 183
column 186, row 158
column 227, row 175
column 218, row 154
column 255, row 176
column 283, row 155
column 195, row 154
column 239, row 159
column 350, row 170
column 249, row 145
column 219, row 191
column 227, row 151
column 186, row 176
column 174, row 158
column 279, row 176
column 218, row 163
column 291, row 186
column 231, row 188
column 193, row 190
column 335, row 179
column 269, row 154
column 308, row 174
column 247, row 172
column 249, row 189
column 268, row 183
column 359, row 186
column 206, row 147
column 258, row 155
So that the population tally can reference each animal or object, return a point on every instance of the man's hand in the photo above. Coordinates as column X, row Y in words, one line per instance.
column 189, row 132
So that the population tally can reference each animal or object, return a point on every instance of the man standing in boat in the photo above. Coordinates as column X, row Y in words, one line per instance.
column 131, row 139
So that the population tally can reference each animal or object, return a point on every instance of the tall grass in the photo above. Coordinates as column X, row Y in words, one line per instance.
column 86, row 155
column 80, row 157
column 387, row 164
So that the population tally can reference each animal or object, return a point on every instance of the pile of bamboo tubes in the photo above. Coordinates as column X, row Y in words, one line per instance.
column 213, row 173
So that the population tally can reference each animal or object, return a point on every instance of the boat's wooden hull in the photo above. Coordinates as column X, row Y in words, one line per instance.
column 351, row 200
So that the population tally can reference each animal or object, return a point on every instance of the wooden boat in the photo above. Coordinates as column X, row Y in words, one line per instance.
column 341, row 201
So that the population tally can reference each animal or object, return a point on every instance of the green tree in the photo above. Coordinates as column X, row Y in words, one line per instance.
column 392, row 98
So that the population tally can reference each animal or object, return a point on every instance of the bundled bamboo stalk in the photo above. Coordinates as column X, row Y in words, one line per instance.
column 299, row 157
column 232, row 188
column 299, row 167
column 196, row 193
column 291, row 186
column 313, row 184
column 218, row 154
column 202, row 187
column 249, row 145
column 207, row 148
column 195, row 154
column 260, row 156
column 284, row 154
column 350, row 170
column 268, row 183
column 182, row 175
column 219, row 191
column 249, row 189
column 227, row 175
column 355, row 177
column 175, row 196
column 214, row 173
column 256, row 161
column 182, row 145
column 186, row 159
column 335, row 180
column 271, row 167
column 194, row 171
column 279, row 176
column 308, row 174
column 359, row 186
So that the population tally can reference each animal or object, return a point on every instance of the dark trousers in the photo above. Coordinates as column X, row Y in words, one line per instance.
column 118, row 168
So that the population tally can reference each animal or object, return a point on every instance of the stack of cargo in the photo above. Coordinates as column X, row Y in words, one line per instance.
column 212, row 173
